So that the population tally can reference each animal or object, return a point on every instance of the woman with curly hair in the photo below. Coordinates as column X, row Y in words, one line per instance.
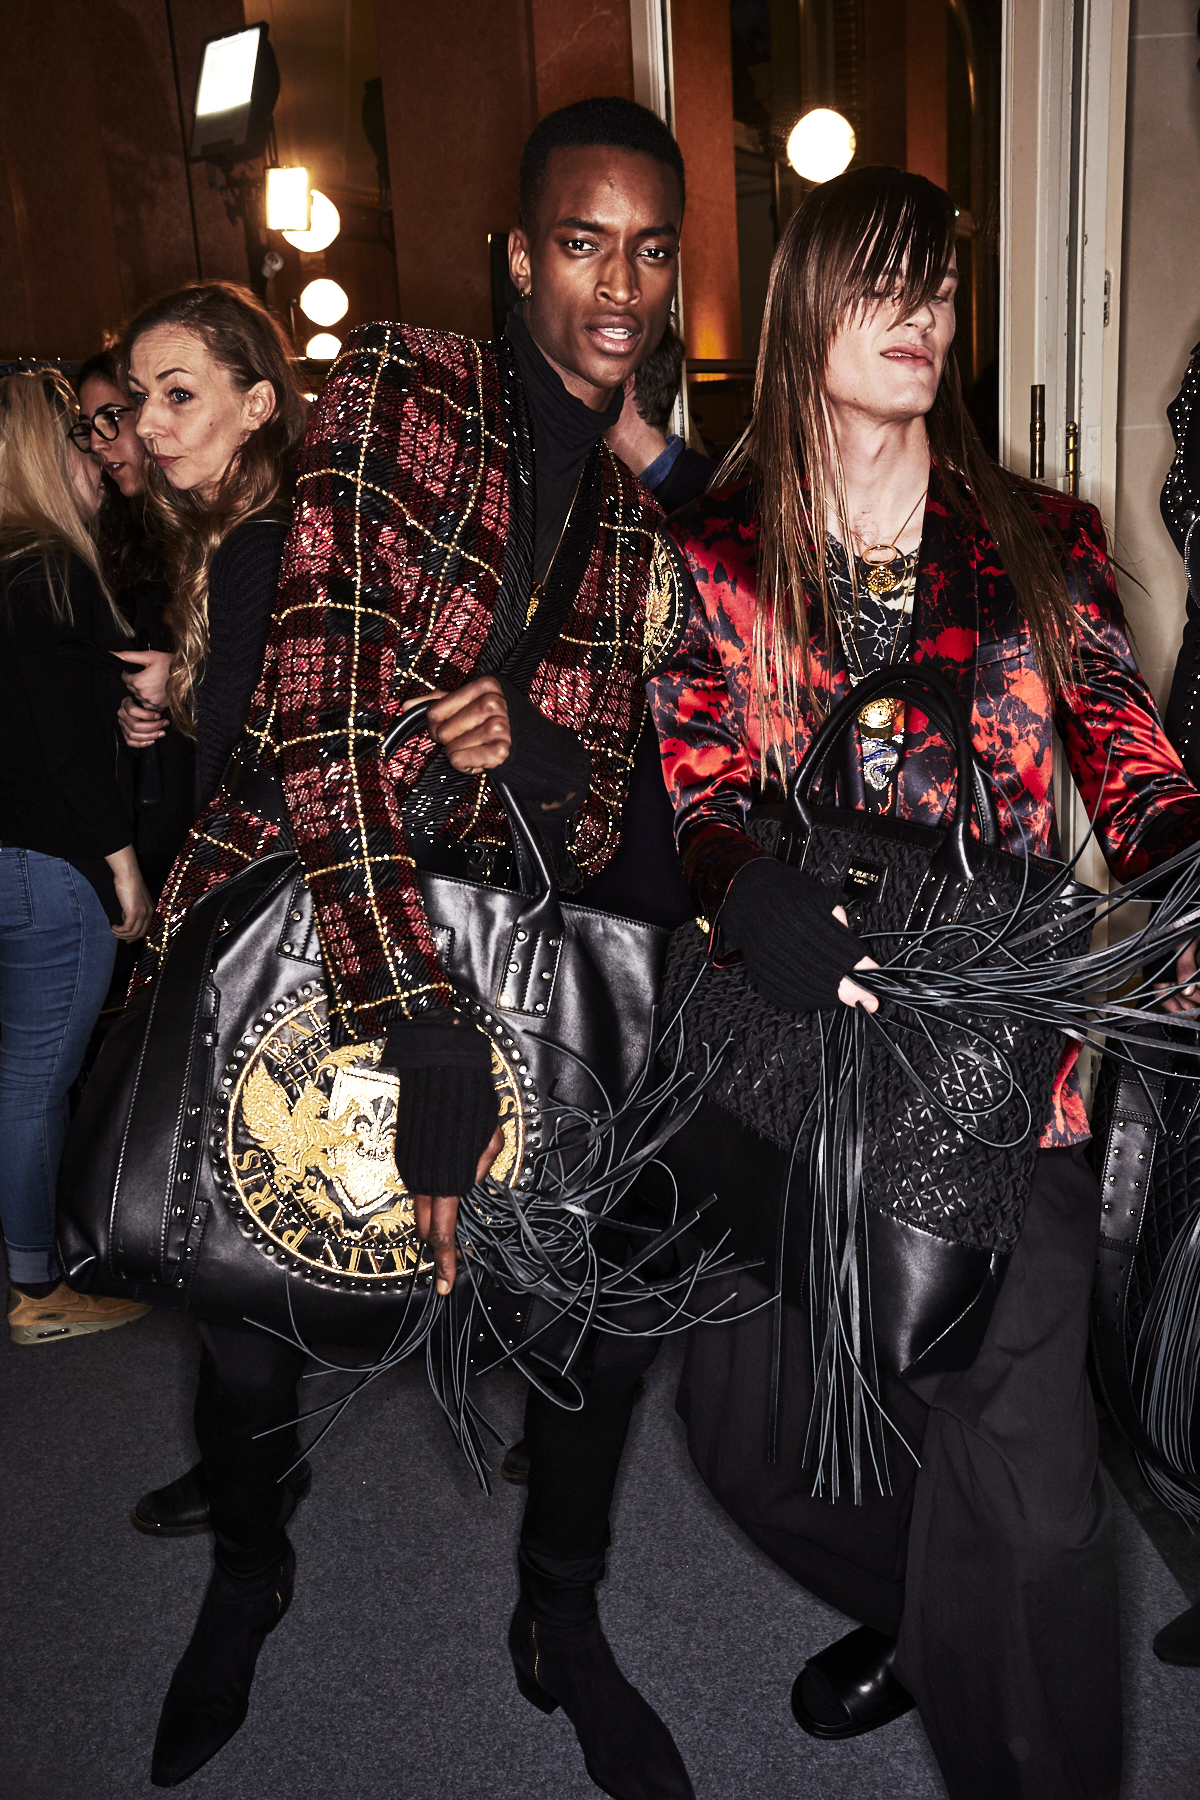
column 222, row 417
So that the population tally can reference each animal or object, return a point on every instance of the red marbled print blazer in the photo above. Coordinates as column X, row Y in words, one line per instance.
column 967, row 626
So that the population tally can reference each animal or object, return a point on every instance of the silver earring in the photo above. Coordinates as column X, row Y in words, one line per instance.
column 528, row 294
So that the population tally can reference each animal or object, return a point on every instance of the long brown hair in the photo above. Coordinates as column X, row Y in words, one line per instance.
column 39, row 507
column 241, row 335
column 870, row 233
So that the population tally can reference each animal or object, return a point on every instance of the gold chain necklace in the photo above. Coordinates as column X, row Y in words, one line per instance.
column 877, row 719
column 881, row 576
column 537, row 592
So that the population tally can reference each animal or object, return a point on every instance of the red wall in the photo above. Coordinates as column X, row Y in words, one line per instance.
column 94, row 216
column 464, row 82
column 904, row 85
column 703, row 94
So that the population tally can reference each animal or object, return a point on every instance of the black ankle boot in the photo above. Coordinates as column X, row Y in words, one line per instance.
column 180, row 1509
column 627, row 1749
column 210, row 1689
column 849, row 1688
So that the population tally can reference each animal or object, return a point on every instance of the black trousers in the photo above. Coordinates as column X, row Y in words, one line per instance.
column 246, row 1428
column 573, row 1462
column 994, row 1562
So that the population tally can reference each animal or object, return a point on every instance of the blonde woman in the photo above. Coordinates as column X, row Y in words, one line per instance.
column 222, row 417
column 70, row 886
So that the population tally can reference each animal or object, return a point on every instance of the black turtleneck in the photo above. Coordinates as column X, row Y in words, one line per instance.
column 564, row 431
column 644, row 879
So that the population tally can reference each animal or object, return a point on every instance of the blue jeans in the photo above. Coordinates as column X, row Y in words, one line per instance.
column 56, row 961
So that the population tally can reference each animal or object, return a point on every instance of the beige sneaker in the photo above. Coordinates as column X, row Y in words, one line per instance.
column 64, row 1314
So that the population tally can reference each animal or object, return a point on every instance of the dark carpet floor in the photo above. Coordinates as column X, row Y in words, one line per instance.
column 389, row 1677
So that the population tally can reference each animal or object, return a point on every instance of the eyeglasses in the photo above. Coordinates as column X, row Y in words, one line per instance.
column 105, row 422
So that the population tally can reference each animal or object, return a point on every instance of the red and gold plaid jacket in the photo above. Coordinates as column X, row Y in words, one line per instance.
column 967, row 626
column 415, row 483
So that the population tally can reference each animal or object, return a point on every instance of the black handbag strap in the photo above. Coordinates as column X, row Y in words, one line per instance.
column 537, row 882
column 924, row 688
column 1133, row 1137
column 537, row 936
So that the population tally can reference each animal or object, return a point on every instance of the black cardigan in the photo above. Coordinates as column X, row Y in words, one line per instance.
column 64, row 780
column 242, row 580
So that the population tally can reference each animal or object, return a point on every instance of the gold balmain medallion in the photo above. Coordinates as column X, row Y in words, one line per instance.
column 877, row 719
column 310, row 1145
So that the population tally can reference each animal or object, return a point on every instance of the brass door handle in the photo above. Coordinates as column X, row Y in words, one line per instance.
column 1073, row 459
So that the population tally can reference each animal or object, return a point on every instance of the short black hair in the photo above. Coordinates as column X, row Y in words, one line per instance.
column 622, row 123
column 656, row 385
column 104, row 364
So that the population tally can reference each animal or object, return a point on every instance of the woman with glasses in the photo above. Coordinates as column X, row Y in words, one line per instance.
column 70, row 886
column 222, row 417
column 132, row 557
column 106, row 427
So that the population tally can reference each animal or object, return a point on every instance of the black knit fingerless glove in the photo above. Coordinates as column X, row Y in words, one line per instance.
column 448, row 1109
column 793, row 949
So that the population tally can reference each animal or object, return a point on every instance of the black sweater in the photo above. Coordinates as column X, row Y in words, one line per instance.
column 242, row 580
column 64, row 783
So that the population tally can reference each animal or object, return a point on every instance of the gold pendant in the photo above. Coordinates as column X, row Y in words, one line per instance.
column 877, row 719
column 881, row 577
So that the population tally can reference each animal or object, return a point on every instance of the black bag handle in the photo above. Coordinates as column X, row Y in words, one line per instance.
column 537, row 935
column 536, row 879
column 921, row 687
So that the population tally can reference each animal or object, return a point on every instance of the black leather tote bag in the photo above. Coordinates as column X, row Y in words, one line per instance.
column 227, row 1160
column 879, row 1166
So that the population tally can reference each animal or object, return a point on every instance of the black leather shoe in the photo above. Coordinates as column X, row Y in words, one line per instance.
column 850, row 1689
column 181, row 1508
column 627, row 1750
column 1179, row 1642
column 209, row 1694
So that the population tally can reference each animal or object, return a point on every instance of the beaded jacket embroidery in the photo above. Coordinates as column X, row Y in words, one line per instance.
column 414, row 504
column 967, row 626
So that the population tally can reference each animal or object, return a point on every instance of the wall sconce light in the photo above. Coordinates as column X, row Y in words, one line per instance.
column 287, row 200
column 323, row 347
column 326, row 223
column 324, row 302
column 821, row 144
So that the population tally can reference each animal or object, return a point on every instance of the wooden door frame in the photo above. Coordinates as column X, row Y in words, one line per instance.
column 1062, row 181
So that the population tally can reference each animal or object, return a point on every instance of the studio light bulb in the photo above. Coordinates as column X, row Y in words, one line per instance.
column 324, row 302
column 326, row 223
column 227, row 77
column 287, row 200
column 322, row 348
column 821, row 144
